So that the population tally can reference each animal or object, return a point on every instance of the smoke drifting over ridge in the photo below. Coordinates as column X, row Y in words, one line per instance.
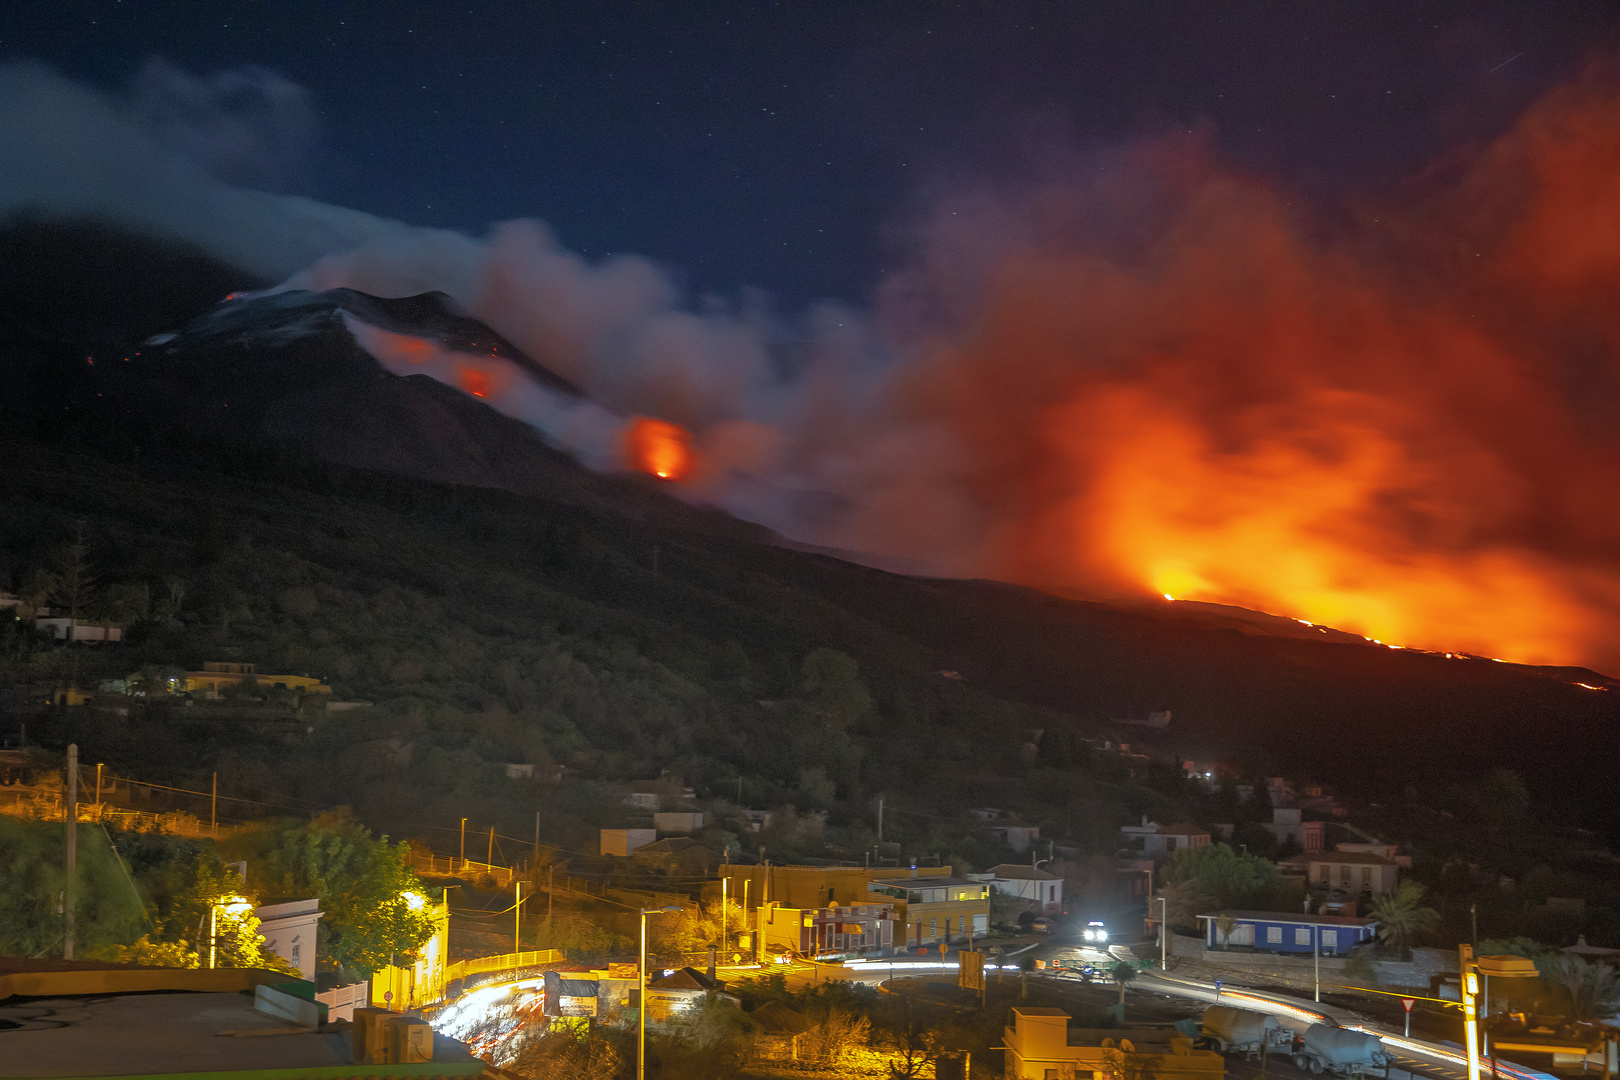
column 1152, row 376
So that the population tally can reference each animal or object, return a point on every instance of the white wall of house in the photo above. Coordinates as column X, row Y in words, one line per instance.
column 289, row 932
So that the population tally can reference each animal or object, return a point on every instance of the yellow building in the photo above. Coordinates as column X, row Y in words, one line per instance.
column 1040, row 1046
column 930, row 906
column 421, row 983
column 217, row 675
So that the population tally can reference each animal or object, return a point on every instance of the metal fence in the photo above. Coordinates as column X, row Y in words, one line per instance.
column 424, row 862
column 503, row 962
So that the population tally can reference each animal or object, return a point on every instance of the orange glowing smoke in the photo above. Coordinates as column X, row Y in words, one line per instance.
column 473, row 381
column 659, row 447
column 1406, row 425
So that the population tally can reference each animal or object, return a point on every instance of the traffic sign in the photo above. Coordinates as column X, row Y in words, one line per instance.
column 1408, row 1002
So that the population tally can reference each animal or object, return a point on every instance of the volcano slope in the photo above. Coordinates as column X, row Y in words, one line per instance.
column 297, row 506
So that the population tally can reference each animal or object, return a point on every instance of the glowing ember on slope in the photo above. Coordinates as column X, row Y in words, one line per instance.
column 658, row 447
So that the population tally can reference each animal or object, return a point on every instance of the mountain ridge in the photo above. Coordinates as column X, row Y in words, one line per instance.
column 281, row 412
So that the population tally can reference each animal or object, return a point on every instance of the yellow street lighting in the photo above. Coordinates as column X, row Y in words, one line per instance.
column 413, row 900
column 236, row 906
column 641, row 999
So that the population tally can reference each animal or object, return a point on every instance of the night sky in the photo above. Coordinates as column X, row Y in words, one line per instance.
column 785, row 146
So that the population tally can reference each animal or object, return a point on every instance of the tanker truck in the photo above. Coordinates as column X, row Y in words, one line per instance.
column 1340, row 1051
column 1230, row 1031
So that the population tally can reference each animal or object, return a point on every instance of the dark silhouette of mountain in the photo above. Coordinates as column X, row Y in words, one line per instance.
column 274, row 389
column 158, row 363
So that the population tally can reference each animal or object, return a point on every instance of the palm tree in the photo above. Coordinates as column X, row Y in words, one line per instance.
column 1402, row 916
column 1122, row 973
column 1584, row 991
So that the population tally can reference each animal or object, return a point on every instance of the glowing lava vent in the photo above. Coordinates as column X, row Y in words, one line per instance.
column 659, row 447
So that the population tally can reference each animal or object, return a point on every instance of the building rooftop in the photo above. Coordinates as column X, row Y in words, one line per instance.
column 685, row 978
column 1183, row 828
column 932, row 881
column 1349, row 858
column 166, row 1033
column 1290, row 917
column 1019, row 872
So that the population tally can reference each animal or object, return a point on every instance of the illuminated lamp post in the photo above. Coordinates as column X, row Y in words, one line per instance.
column 230, row 905
column 641, row 997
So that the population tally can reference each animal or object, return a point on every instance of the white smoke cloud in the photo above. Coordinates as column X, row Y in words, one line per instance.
column 247, row 125
column 153, row 162
column 786, row 416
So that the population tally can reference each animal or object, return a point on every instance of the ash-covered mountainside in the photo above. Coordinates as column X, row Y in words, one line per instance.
column 281, row 318
column 131, row 347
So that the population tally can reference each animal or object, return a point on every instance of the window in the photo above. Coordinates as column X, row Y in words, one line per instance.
column 933, row 928
column 1366, row 877
column 1330, row 941
column 1325, row 869
column 1273, row 935
column 1302, row 935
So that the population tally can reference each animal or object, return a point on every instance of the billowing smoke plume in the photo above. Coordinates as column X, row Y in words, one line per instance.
column 1159, row 376
column 160, row 159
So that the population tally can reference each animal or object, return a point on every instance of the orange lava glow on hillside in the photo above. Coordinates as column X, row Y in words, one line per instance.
column 1406, row 426
column 658, row 447
column 473, row 381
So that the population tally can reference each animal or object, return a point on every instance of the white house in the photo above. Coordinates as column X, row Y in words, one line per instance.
column 1289, row 824
column 60, row 627
column 289, row 932
column 1152, row 839
column 1027, row 883
column 1352, row 872
column 678, row 821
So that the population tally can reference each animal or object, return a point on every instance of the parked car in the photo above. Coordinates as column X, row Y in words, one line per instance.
column 1041, row 925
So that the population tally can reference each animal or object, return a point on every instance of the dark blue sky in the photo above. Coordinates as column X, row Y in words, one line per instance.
column 785, row 145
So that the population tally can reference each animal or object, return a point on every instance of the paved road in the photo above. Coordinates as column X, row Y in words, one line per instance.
column 1417, row 1057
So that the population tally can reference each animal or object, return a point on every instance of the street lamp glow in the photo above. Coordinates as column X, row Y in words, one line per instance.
column 641, row 996
column 413, row 900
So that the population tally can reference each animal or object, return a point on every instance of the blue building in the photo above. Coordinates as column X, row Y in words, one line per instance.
column 1278, row 932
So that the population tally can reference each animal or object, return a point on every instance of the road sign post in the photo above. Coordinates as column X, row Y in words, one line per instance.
column 1408, row 1003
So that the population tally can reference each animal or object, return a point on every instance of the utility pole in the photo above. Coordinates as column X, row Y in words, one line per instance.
column 724, row 881
column 213, row 809
column 98, row 781
column 534, row 860
column 1316, row 959
column 69, row 889
column 489, row 859
column 551, row 896
column 1164, row 933
column 517, row 919
column 880, row 822
column 463, row 839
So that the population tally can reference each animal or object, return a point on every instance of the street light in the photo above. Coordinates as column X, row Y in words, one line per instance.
column 641, row 998
column 230, row 905
column 1473, row 971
